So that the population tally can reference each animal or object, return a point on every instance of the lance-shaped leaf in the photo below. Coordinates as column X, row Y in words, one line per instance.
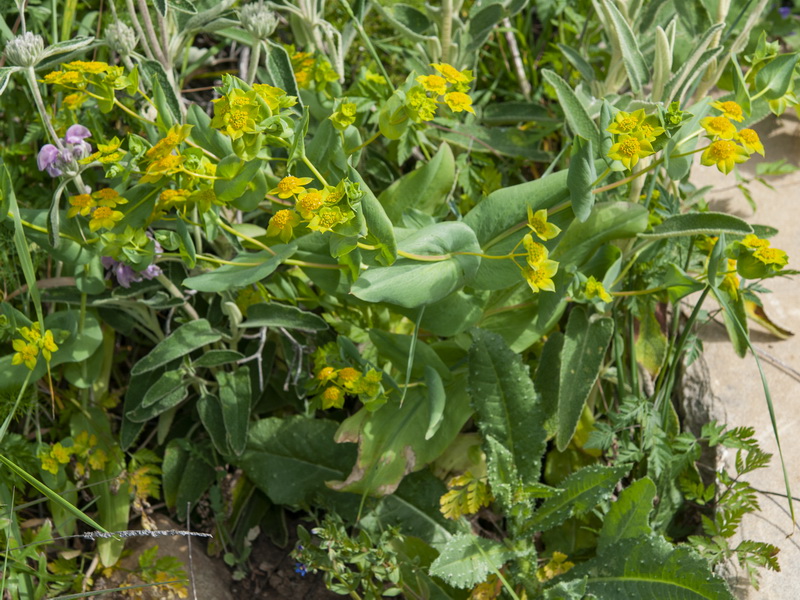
column 234, row 396
column 574, row 111
column 507, row 405
column 584, row 347
column 282, row 315
column 436, row 270
column 581, row 177
column 651, row 567
column 623, row 38
column 66, row 46
column 580, row 493
column 467, row 559
column 709, row 223
column 391, row 441
column 182, row 341
column 629, row 516
column 254, row 267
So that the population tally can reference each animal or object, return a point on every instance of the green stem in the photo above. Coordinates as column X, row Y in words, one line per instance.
column 37, row 98
column 447, row 29
column 313, row 169
column 172, row 289
column 365, row 144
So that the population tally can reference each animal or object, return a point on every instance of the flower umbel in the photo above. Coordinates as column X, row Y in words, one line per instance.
column 724, row 154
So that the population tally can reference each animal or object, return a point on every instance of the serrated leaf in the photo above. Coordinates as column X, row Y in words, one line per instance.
column 582, row 355
column 635, row 65
column 166, row 101
column 689, row 224
column 629, row 516
column 467, row 559
column 574, row 111
column 581, row 492
column 651, row 567
column 182, row 341
column 506, row 403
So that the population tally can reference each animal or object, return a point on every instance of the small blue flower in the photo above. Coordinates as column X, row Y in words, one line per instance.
column 785, row 12
column 300, row 568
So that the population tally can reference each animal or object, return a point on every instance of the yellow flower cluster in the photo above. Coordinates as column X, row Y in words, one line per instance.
column 88, row 457
column 26, row 349
column 334, row 379
column 309, row 69
column 100, row 205
column 756, row 258
column 729, row 146
column 106, row 154
column 321, row 210
column 634, row 134
column 450, row 84
column 539, row 270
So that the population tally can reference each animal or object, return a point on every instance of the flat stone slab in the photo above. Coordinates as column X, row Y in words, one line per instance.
column 737, row 383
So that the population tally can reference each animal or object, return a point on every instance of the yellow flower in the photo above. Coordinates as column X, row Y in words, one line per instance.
column 332, row 397
column 108, row 197
column 327, row 218
column 73, row 101
column 309, row 202
column 541, row 277
column 289, row 186
column 724, row 154
column 326, row 374
column 751, row 141
column 48, row 345
column 349, row 378
column 419, row 106
column 433, row 83
column 595, row 289
column 536, row 252
column 176, row 135
column 25, row 354
column 537, row 222
column 731, row 281
column 65, row 78
column 626, row 123
column 59, row 453
column 275, row 97
column 751, row 240
column 98, row 459
column 32, row 333
column 459, row 102
column 83, row 66
column 282, row 223
column 729, row 109
column 104, row 217
column 106, row 153
column 453, row 75
column 167, row 165
column 772, row 256
column 719, row 126
column 629, row 149
column 49, row 464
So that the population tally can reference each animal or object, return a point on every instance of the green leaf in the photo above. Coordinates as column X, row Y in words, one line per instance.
column 581, row 177
column 290, row 459
column 481, row 25
column 774, row 79
column 255, row 267
column 392, row 440
column 584, row 347
column 709, row 223
column 397, row 347
column 165, row 385
column 425, row 188
column 414, row 508
column 580, row 493
column 70, row 45
column 607, row 221
column 567, row 590
column 210, row 411
column 167, row 103
column 651, row 343
column 629, row 516
column 412, row 282
column 734, row 311
column 583, row 67
column 437, row 400
column 679, row 284
column 379, row 225
column 182, row 341
column 279, row 72
column 506, row 403
column 740, row 91
column 624, row 39
column 466, row 560
column 282, row 315
column 5, row 77
column 574, row 111
column 161, row 7
column 205, row 135
column 693, row 66
column 546, row 383
column 187, row 475
column 297, row 150
column 234, row 397
column 651, row 567
column 170, row 400
column 238, row 175
column 184, row 6
column 188, row 252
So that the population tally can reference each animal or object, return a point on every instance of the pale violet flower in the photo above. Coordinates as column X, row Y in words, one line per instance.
column 75, row 147
column 125, row 275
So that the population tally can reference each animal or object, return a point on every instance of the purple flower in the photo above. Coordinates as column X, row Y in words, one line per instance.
column 785, row 12
column 125, row 275
column 76, row 134
column 56, row 161
column 47, row 158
